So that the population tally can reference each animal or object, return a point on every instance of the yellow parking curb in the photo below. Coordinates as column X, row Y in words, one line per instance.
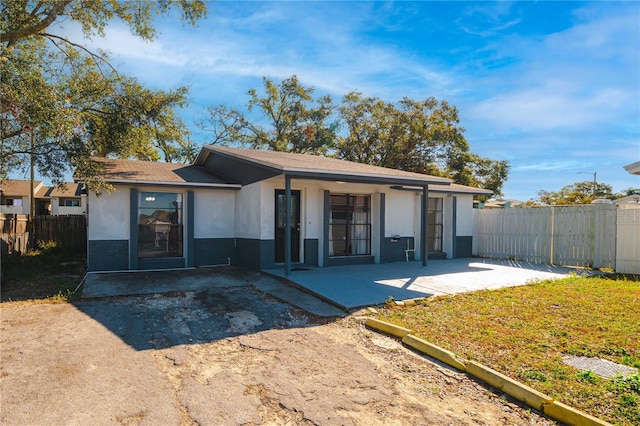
column 564, row 413
column 394, row 330
column 509, row 386
column 554, row 409
column 433, row 351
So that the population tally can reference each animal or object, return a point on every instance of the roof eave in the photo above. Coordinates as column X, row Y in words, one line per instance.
column 448, row 190
column 165, row 183
column 361, row 178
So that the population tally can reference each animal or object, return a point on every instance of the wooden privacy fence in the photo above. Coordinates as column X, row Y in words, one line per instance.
column 14, row 237
column 67, row 231
column 583, row 235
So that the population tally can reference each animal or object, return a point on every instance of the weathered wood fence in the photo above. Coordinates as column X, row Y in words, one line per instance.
column 14, row 237
column 67, row 231
column 587, row 235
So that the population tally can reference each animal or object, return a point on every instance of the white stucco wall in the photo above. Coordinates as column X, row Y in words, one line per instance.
column 464, row 225
column 399, row 213
column 248, row 206
column 313, row 212
column 214, row 213
column 24, row 209
column 109, row 215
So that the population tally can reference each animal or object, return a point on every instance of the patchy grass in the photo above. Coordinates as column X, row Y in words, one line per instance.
column 48, row 274
column 525, row 332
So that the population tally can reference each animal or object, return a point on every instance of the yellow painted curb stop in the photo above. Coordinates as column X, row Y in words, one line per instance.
column 433, row 351
column 564, row 413
column 554, row 409
column 385, row 327
column 509, row 386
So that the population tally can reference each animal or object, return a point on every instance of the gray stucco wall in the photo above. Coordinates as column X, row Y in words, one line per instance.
column 311, row 251
column 463, row 247
column 393, row 251
column 107, row 255
column 214, row 251
column 255, row 254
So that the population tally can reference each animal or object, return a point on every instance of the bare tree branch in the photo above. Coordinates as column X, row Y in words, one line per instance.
column 93, row 56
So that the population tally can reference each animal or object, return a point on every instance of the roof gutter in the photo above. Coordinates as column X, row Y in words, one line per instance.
column 444, row 189
column 363, row 178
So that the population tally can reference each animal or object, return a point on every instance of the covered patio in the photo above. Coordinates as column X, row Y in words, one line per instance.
column 364, row 285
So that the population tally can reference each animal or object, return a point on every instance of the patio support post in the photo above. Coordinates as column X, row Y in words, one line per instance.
column 287, row 226
column 424, row 222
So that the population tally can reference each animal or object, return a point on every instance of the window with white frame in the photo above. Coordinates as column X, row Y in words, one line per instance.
column 69, row 202
column 12, row 202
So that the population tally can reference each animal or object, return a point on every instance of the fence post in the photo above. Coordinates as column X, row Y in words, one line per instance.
column 551, row 239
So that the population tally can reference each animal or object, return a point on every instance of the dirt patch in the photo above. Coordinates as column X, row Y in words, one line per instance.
column 69, row 364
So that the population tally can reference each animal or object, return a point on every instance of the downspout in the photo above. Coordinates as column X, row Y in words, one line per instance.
column 287, row 226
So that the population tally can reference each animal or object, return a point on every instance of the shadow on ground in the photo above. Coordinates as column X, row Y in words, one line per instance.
column 204, row 306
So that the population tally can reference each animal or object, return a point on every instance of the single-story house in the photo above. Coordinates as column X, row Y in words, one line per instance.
column 49, row 200
column 230, row 206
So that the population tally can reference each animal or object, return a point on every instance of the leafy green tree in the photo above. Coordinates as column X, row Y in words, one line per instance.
column 576, row 193
column 627, row 192
column 61, row 103
column 289, row 120
column 419, row 136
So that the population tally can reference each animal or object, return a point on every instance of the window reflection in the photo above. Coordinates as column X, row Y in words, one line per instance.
column 160, row 230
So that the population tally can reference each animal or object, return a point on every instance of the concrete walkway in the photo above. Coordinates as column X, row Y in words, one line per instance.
column 364, row 285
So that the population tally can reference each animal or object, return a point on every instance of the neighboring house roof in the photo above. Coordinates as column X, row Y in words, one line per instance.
column 12, row 187
column 250, row 165
column 157, row 173
column 633, row 168
column 501, row 204
column 71, row 189
column 630, row 199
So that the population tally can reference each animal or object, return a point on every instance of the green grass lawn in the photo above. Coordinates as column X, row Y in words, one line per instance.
column 525, row 332
column 47, row 274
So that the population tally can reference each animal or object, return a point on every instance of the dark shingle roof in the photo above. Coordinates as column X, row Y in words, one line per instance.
column 318, row 166
column 121, row 171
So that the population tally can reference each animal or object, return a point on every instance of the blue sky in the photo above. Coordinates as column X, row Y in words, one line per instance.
column 552, row 87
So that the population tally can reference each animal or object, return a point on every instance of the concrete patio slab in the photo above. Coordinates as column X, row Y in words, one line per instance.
column 364, row 285
column 116, row 284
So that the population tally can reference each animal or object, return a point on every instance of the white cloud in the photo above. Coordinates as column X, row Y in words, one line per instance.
column 579, row 78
